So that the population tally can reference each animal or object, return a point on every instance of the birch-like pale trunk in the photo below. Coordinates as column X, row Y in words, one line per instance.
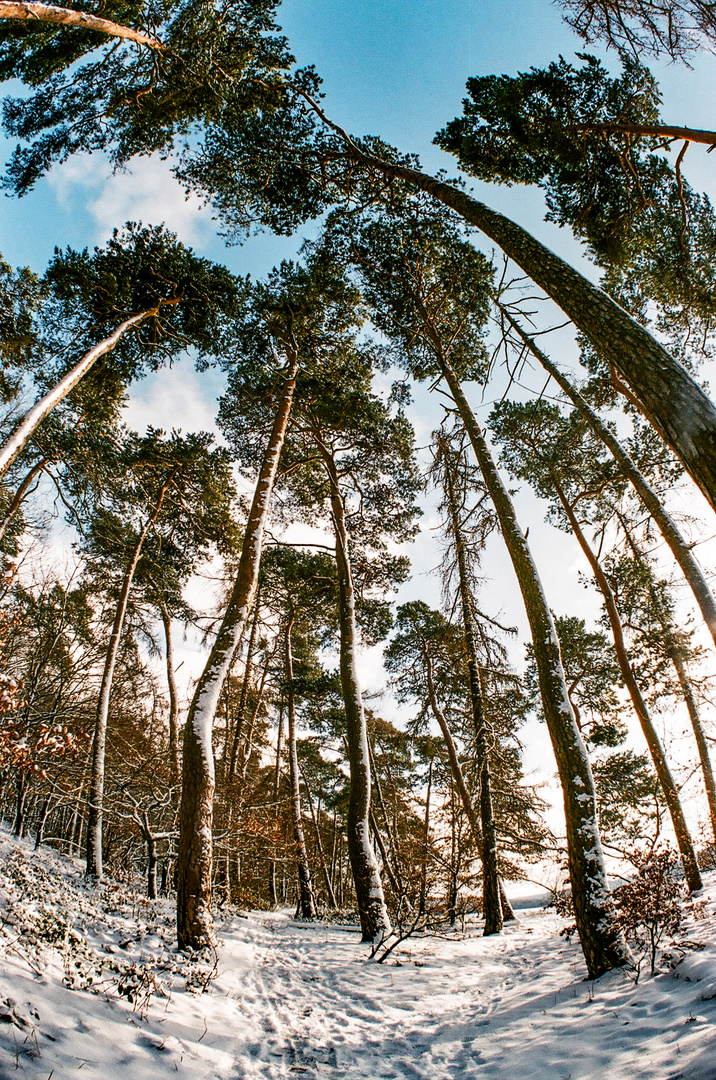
column 602, row 944
column 195, row 927
column 508, row 914
column 680, row 548
column 174, row 758
column 656, row 750
column 373, row 913
column 44, row 405
column 492, row 910
column 306, row 902
column 95, row 800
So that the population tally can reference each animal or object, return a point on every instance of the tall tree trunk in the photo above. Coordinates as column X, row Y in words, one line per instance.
column 41, row 822
column 490, row 882
column 668, row 395
column 195, row 927
column 245, row 750
column 459, row 779
column 375, row 923
column 426, row 843
column 174, row 758
column 306, row 903
column 331, row 896
column 601, row 941
column 243, row 697
column 656, row 750
column 273, row 894
column 151, row 842
column 668, row 528
column 95, row 801
column 682, row 675
column 44, row 405
column 21, row 799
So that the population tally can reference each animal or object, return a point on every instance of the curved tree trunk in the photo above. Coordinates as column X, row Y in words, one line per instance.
column 306, row 903
column 602, row 944
column 490, row 882
column 61, row 16
column 668, row 395
column 195, row 927
column 656, row 750
column 331, row 896
column 21, row 494
column 44, row 405
column 95, row 800
column 375, row 923
column 668, row 528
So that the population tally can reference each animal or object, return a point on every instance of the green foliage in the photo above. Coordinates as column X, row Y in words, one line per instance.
column 140, row 268
column 131, row 100
column 21, row 294
column 592, row 675
column 655, row 236
column 423, row 280
column 629, row 801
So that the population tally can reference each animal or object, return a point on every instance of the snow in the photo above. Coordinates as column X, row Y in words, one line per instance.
column 294, row 999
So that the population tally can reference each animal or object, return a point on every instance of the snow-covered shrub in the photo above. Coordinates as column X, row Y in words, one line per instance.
column 652, row 906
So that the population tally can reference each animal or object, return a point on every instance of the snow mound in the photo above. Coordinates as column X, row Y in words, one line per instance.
column 90, row 980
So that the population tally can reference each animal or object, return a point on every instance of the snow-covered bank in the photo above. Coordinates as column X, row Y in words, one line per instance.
column 294, row 1000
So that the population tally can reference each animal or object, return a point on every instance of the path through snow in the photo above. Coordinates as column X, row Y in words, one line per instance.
column 293, row 1000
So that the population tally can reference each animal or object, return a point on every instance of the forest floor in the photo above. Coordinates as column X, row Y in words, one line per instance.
column 90, row 982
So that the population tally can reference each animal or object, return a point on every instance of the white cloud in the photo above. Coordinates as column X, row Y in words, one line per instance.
column 147, row 192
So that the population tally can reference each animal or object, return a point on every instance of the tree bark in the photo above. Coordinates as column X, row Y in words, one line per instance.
column 375, row 923
column 656, row 750
column 687, row 689
column 243, row 697
column 668, row 131
column 668, row 528
column 457, row 774
column 668, row 395
column 44, row 405
column 306, row 903
column 194, row 920
column 492, row 910
column 174, row 758
column 426, row 843
column 601, row 941
column 273, row 894
column 95, row 800
column 60, row 16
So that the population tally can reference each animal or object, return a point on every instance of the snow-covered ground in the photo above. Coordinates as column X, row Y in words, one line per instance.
column 289, row 1000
